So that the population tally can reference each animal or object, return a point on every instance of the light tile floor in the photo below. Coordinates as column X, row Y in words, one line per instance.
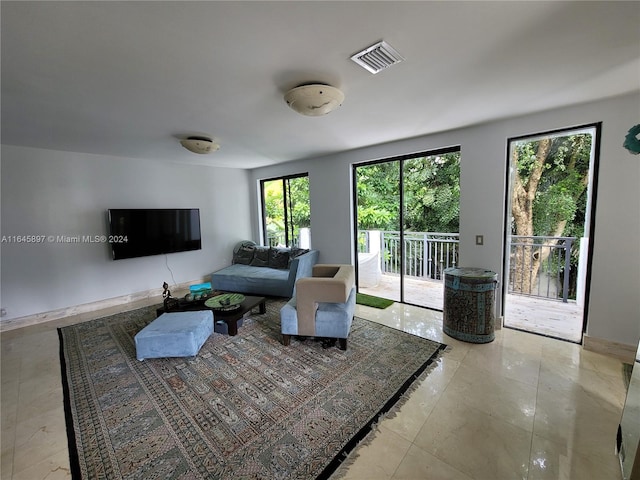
column 552, row 318
column 523, row 406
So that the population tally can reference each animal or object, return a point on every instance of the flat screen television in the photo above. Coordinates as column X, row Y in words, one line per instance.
column 141, row 232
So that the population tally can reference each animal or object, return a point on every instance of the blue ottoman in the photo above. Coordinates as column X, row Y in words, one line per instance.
column 179, row 334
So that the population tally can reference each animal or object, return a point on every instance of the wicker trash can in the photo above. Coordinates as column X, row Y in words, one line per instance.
column 469, row 298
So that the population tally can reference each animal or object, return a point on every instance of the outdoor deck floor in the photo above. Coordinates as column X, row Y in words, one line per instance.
column 551, row 318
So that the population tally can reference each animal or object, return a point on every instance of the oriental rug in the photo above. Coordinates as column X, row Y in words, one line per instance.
column 246, row 407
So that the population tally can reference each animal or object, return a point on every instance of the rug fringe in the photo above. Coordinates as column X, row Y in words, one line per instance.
column 351, row 458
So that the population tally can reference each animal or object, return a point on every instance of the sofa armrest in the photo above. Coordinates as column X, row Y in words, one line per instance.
column 302, row 265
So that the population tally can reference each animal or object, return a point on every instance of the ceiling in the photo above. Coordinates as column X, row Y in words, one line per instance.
column 130, row 79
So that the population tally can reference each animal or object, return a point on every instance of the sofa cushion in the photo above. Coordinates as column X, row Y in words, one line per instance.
column 279, row 257
column 296, row 251
column 260, row 257
column 252, row 280
column 243, row 253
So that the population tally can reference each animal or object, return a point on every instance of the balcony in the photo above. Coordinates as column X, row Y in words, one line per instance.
column 541, row 282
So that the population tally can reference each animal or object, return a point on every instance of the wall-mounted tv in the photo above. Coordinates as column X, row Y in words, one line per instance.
column 142, row 232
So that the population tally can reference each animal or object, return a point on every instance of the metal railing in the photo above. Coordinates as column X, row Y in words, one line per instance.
column 538, row 266
column 427, row 254
column 275, row 239
column 278, row 238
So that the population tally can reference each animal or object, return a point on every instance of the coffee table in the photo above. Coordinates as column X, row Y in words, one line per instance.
column 230, row 318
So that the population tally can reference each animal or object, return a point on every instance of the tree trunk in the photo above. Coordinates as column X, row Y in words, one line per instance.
column 527, row 257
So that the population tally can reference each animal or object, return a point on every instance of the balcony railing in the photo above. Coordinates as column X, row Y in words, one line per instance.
column 427, row 254
column 301, row 238
column 539, row 266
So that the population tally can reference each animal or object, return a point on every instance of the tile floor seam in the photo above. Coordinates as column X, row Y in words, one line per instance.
column 427, row 421
column 400, row 462
column 535, row 412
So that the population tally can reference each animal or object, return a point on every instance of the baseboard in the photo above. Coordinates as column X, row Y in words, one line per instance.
column 621, row 351
column 149, row 295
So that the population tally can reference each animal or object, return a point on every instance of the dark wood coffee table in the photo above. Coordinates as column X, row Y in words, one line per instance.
column 230, row 318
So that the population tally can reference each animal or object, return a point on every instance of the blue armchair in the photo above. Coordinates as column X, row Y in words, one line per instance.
column 323, row 305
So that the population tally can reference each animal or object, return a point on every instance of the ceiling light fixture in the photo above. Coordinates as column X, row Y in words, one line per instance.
column 314, row 100
column 200, row 145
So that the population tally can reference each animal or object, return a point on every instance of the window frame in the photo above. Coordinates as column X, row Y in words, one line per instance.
column 284, row 179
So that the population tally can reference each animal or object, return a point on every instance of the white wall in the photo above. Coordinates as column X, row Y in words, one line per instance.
column 47, row 192
column 614, row 307
column 61, row 193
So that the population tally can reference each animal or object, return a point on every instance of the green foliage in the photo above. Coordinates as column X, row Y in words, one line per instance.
column 300, row 210
column 378, row 196
column 292, row 193
column 559, row 205
column 561, row 193
column 431, row 194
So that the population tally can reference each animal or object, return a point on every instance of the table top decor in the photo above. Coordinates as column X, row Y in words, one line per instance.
column 225, row 302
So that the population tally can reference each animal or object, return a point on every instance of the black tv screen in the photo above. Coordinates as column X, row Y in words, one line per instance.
column 142, row 232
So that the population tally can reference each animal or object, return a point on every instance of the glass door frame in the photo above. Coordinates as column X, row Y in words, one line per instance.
column 354, row 189
column 590, row 208
column 286, row 193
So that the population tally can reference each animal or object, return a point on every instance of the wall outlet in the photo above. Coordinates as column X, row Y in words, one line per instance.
column 479, row 239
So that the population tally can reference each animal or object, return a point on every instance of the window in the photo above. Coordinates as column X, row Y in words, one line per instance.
column 286, row 219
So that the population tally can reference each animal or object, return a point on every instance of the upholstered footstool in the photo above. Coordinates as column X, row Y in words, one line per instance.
column 179, row 334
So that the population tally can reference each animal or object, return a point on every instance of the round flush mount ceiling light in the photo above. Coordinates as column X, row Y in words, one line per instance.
column 314, row 100
column 200, row 145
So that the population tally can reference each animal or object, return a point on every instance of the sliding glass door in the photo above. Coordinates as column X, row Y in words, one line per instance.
column 407, row 212
column 378, row 216
column 431, row 194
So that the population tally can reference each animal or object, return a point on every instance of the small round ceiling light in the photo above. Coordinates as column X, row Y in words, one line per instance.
column 314, row 100
column 200, row 145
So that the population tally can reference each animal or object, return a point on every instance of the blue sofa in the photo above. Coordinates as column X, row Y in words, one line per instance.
column 264, row 271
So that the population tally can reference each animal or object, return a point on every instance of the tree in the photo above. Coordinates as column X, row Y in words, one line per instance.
column 290, row 194
column 430, row 203
column 548, row 198
column 431, row 194
column 378, row 195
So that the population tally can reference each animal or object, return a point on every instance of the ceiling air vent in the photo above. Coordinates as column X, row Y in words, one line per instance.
column 377, row 57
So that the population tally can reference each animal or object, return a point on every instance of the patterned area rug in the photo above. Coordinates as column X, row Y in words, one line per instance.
column 244, row 407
